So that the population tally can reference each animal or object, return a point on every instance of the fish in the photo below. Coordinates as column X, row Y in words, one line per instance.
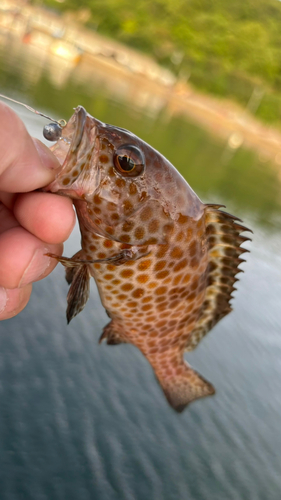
column 165, row 263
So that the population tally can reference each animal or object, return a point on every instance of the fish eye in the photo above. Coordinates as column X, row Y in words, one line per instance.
column 129, row 160
column 52, row 132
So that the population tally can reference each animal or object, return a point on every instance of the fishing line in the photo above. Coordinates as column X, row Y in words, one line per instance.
column 61, row 123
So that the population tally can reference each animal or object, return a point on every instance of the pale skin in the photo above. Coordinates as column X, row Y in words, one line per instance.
column 31, row 223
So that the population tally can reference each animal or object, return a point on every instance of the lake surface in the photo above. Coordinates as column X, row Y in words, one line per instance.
column 84, row 421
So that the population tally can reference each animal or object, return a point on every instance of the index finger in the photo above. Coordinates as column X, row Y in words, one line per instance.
column 26, row 164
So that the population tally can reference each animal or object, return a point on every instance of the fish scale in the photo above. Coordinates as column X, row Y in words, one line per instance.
column 164, row 262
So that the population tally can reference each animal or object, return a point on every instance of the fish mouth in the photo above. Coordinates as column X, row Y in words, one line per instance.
column 75, row 151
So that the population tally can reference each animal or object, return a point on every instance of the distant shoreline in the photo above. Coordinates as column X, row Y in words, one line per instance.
column 146, row 82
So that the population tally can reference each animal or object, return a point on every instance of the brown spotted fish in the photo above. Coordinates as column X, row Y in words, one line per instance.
column 163, row 261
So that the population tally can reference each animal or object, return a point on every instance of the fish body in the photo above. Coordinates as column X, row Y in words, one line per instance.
column 163, row 261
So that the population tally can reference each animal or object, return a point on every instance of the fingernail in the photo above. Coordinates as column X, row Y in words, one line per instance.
column 36, row 268
column 3, row 299
column 47, row 157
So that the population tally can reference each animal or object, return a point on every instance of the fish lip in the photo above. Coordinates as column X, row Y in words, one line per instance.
column 81, row 115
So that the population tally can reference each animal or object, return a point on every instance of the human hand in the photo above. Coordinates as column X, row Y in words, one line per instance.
column 31, row 223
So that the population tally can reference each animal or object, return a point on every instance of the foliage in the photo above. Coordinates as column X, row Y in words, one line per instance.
column 243, row 35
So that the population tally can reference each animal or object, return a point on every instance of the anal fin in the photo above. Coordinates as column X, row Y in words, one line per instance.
column 184, row 387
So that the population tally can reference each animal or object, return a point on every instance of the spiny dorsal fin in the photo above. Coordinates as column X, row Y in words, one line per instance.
column 224, row 240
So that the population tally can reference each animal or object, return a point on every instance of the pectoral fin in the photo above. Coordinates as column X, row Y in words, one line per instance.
column 68, row 262
column 133, row 253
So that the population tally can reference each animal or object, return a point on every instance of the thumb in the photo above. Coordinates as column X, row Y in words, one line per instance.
column 26, row 163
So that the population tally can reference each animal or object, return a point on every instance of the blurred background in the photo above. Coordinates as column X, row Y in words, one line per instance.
column 201, row 82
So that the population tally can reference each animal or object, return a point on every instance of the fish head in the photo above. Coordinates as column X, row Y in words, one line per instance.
column 122, row 188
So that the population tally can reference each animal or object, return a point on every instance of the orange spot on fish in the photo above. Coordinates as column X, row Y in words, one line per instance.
column 142, row 278
column 126, row 273
column 144, row 265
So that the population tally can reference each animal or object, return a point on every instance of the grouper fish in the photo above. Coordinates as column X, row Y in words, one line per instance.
column 164, row 263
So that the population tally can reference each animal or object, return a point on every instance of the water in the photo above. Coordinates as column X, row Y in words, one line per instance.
column 83, row 421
